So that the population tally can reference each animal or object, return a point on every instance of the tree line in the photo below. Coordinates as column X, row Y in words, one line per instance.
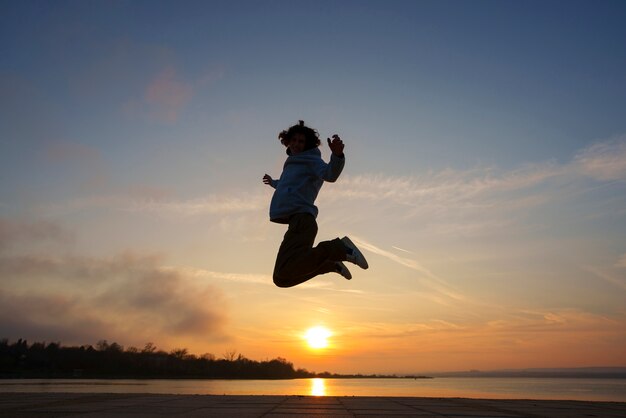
column 111, row 360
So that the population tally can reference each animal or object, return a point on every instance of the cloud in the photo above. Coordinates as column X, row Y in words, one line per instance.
column 163, row 298
column 14, row 232
column 567, row 320
column 128, row 297
column 126, row 294
column 482, row 201
column 48, row 318
column 565, row 334
column 446, row 187
column 427, row 278
column 263, row 279
column 607, row 276
column 236, row 277
column 604, row 161
column 621, row 262
column 563, row 337
column 210, row 204
column 407, row 262
column 164, row 98
column 401, row 249
column 153, row 200
column 468, row 202
column 167, row 94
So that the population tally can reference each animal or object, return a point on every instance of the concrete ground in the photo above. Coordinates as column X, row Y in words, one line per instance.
column 149, row 405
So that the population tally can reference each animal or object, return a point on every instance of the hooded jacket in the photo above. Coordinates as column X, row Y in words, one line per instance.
column 300, row 182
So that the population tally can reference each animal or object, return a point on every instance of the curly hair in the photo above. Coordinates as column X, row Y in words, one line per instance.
column 312, row 138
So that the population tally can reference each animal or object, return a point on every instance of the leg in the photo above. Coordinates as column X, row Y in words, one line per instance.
column 297, row 260
column 327, row 267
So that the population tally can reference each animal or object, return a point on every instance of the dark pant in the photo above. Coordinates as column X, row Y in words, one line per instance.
column 297, row 260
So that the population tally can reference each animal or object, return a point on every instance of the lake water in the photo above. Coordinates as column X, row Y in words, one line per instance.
column 477, row 387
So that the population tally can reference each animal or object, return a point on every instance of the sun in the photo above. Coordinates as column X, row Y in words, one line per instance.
column 317, row 337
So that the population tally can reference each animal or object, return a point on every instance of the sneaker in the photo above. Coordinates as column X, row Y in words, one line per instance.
column 343, row 270
column 353, row 254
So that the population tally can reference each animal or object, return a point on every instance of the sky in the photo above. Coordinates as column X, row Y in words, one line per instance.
column 485, row 178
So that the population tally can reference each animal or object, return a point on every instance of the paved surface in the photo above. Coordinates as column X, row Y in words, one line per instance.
column 138, row 405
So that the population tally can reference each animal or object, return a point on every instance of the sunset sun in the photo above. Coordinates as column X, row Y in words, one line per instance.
column 317, row 337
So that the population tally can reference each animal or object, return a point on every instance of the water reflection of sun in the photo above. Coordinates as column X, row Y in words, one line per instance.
column 318, row 387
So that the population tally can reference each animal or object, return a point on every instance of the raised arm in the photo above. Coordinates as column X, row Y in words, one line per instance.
column 330, row 172
column 336, row 145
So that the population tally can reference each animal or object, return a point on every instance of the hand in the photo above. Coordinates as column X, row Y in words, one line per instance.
column 267, row 180
column 336, row 146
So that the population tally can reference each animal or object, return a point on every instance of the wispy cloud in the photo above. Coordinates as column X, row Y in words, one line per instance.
column 202, row 274
column 604, row 160
column 327, row 286
column 401, row 249
column 427, row 278
column 209, row 204
column 407, row 262
column 539, row 338
column 141, row 201
column 607, row 276
column 554, row 320
column 482, row 200
column 464, row 202
column 262, row 279
column 447, row 186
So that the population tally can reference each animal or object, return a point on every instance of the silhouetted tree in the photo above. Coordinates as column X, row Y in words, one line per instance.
column 230, row 355
column 149, row 348
column 115, row 347
column 179, row 353
column 19, row 359
column 102, row 345
column 208, row 357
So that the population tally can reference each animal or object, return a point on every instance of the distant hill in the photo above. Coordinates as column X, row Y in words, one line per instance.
column 576, row 372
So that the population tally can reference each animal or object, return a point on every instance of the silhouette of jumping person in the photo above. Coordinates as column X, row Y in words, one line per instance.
column 303, row 175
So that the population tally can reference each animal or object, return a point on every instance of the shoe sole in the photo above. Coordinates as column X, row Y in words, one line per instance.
column 348, row 275
column 357, row 253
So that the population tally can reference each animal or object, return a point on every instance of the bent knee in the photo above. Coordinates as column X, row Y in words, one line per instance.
column 281, row 282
